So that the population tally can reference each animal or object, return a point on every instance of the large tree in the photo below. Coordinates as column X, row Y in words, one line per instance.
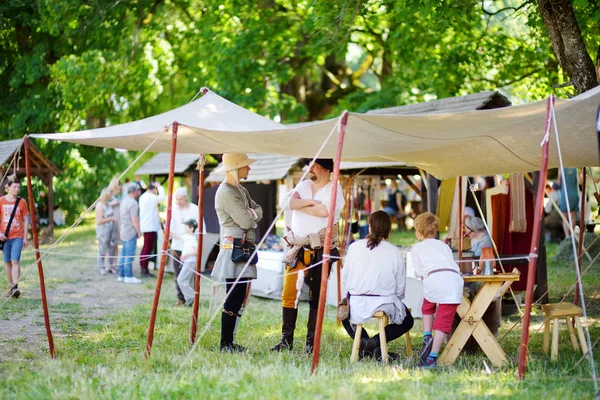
column 67, row 65
column 567, row 41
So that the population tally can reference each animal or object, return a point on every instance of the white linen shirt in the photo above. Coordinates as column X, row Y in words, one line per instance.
column 149, row 220
column 190, row 246
column 379, row 271
column 178, row 217
column 443, row 287
column 304, row 224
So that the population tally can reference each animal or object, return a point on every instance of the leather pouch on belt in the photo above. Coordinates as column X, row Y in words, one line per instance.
column 315, row 240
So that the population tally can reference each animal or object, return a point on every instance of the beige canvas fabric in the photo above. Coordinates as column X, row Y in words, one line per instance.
column 483, row 142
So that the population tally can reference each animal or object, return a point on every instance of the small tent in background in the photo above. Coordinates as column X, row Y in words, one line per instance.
column 12, row 161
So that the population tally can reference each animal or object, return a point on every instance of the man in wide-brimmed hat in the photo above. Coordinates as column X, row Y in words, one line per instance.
column 310, row 203
column 238, row 216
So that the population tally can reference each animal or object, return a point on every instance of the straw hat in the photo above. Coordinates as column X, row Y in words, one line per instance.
column 233, row 161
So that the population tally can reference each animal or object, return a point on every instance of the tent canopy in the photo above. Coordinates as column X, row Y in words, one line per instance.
column 482, row 142
column 266, row 167
column 159, row 164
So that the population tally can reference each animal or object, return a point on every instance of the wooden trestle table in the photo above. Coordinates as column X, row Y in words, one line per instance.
column 471, row 314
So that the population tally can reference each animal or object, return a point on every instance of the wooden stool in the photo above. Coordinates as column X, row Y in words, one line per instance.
column 383, row 322
column 555, row 312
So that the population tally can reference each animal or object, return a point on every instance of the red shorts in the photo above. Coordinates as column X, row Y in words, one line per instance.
column 443, row 317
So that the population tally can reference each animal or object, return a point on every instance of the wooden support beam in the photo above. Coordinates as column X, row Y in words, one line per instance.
column 432, row 193
column 412, row 185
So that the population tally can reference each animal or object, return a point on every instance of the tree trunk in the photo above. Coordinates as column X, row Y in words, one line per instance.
column 567, row 43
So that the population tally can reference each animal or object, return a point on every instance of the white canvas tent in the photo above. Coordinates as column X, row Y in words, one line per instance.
column 482, row 142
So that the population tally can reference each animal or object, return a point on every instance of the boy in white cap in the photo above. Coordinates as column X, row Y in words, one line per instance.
column 186, row 278
column 182, row 212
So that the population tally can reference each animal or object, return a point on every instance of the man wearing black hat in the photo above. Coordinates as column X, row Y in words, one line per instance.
column 310, row 204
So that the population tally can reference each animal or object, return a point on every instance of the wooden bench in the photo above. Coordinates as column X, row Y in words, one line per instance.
column 554, row 312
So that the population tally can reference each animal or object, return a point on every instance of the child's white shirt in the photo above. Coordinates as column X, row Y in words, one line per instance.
column 445, row 287
column 190, row 247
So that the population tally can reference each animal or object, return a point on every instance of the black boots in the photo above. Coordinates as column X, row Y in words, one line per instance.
column 310, row 329
column 289, row 324
column 367, row 346
column 227, row 328
column 289, row 316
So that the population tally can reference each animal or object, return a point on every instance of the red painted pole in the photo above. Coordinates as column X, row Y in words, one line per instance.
column 533, row 252
column 163, row 257
column 37, row 248
column 460, row 218
column 327, row 246
column 581, row 231
column 194, row 324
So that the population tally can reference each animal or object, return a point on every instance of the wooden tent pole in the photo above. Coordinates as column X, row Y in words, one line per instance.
column 533, row 252
column 327, row 245
column 163, row 257
column 36, row 245
column 460, row 218
column 194, row 323
column 581, row 230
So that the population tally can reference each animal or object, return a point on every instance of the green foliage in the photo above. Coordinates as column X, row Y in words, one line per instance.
column 68, row 65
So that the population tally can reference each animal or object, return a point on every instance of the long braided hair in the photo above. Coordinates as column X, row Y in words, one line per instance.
column 380, row 225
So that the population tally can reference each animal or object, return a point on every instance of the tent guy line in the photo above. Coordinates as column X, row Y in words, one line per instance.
column 26, row 271
column 221, row 126
column 262, row 240
column 556, row 280
column 575, row 255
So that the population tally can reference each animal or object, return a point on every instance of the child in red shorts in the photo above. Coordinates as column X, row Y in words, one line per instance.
column 442, row 286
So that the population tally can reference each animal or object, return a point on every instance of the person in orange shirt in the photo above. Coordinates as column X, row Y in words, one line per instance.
column 17, row 236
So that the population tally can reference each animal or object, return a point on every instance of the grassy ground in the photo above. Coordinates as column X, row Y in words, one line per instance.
column 102, row 355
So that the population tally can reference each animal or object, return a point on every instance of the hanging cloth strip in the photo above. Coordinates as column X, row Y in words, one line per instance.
column 454, row 230
column 518, row 218
column 444, row 206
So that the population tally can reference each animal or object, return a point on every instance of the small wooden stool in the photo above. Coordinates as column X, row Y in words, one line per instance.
column 383, row 322
column 555, row 312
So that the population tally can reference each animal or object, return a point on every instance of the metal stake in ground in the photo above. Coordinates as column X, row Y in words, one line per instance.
column 163, row 257
column 37, row 247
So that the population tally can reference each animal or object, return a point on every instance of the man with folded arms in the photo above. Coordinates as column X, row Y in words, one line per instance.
column 310, row 203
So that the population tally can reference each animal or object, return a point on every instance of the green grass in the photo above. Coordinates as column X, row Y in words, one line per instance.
column 105, row 359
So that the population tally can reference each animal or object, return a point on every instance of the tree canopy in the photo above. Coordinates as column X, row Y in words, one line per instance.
column 67, row 65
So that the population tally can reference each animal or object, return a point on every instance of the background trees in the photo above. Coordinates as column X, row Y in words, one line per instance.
column 67, row 65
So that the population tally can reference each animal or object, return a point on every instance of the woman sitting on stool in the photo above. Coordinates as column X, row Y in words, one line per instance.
column 375, row 278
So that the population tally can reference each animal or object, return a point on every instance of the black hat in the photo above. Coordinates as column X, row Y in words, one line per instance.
column 192, row 223
column 326, row 163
